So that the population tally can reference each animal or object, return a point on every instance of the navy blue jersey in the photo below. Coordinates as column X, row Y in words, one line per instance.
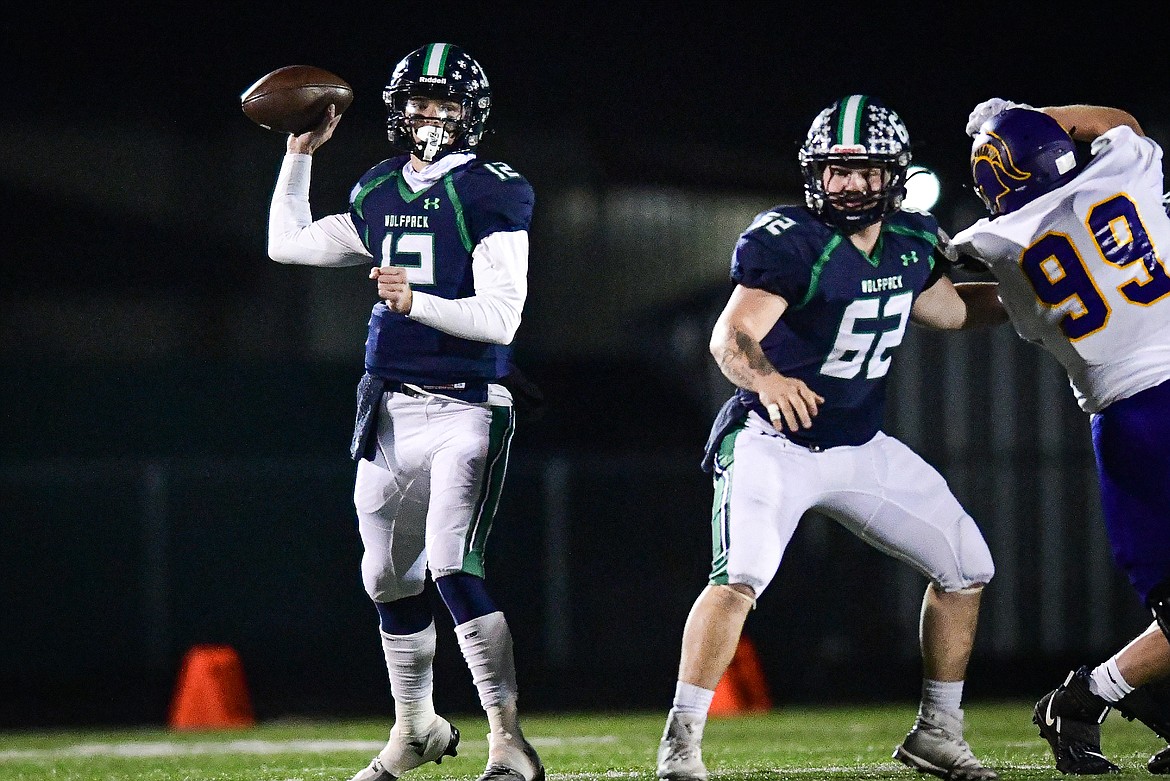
column 433, row 233
column 847, row 313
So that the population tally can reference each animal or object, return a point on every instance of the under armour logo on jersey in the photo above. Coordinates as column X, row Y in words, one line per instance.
column 430, row 203
column 910, row 257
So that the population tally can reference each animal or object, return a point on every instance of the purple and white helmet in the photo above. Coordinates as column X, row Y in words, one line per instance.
column 1019, row 155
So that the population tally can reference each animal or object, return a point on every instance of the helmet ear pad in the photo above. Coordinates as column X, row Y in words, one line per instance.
column 1019, row 155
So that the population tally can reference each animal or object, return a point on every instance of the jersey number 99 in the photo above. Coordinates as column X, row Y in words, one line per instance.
column 1059, row 274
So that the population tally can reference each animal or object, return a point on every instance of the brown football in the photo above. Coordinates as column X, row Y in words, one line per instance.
column 294, row 98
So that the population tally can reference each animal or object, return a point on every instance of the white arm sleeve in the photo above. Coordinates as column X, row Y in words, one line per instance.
column 499, row 265
column 293, row 236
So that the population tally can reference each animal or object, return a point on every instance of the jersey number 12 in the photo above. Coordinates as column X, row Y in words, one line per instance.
column 419, row 252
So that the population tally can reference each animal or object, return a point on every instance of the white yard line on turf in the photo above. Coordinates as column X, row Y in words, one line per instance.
column 170, row 749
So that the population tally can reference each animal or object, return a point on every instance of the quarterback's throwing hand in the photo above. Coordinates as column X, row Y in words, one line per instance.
column 393, row 287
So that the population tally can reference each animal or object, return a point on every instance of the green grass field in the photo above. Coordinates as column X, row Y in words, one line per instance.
column 788, row 743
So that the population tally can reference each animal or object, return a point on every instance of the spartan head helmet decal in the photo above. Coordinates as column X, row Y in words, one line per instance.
column 994, row 172
column 1019, row 155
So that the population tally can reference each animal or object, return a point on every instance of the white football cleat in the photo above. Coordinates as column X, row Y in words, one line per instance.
column 680, row 752
column 511, row 759
column 935, row 745
column 401, row 755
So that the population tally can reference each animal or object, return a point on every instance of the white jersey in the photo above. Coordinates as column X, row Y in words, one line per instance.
column 1083, row 270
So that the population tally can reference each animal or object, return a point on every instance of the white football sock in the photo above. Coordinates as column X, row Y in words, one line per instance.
column 408, row 661
column 942, row 695
column 689, row 698
column 486, row 643
column 1107, row 682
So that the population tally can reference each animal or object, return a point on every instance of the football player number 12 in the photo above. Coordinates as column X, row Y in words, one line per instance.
column 414, row 252
column 1058, row 272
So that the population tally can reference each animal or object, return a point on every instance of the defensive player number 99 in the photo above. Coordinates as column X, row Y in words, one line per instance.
column 1058, row 273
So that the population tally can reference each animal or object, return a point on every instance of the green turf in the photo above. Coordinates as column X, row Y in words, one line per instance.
column 788, row 743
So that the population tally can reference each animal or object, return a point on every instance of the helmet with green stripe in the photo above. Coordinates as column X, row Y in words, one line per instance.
column 440, row 71
column 857, row 130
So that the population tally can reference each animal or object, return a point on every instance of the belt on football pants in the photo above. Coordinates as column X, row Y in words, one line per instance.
column 475, row 393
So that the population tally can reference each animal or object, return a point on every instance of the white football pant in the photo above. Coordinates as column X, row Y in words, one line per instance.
column 428, row 499
column 881, row 491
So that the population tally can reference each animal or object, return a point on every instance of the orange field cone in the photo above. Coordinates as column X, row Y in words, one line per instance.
column 210, row 692
column 742, row 689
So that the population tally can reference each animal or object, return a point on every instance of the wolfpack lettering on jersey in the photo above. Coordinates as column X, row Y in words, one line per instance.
column 407, row 220
column 841, row 347
column 432, row 233
column 1086, row 270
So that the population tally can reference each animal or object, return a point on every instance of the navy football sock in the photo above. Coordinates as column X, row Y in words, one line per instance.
column 465, row 596
column 404, row 616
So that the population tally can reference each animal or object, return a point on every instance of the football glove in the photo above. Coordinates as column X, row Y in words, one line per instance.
column 527, row 397
column 988, row 109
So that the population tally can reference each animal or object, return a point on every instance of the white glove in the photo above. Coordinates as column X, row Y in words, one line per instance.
column 988, row 109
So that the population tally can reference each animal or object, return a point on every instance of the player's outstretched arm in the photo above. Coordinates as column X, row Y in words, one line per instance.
column 949, row 306
column 1086, row 122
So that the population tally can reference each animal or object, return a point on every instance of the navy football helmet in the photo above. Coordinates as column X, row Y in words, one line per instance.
column 860, row 130
column 1019, row 155
column 440, row 71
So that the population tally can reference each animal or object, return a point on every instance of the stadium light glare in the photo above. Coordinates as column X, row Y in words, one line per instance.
column 922, row 188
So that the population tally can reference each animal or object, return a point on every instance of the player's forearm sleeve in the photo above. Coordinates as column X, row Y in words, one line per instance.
column 499, row 264
column 293, row 236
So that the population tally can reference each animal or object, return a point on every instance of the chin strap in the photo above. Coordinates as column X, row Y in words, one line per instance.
column 432, row 138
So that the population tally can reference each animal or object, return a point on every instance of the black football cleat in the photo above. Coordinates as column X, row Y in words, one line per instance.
column 1159, row 764
column 1150, row 704
column 1069, row 718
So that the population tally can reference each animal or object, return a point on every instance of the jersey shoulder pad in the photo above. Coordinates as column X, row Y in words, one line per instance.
column 495, row 197
column 778, row 251
column 786, row 226
column 378, row 172
column 495, row 177
column 1122, row 142
column 917, row 220
column 390, row 165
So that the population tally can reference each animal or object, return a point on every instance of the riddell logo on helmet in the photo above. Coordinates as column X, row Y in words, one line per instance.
column 433, row 79
column 846, row 149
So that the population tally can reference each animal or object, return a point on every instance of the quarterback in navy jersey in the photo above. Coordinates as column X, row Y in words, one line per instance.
column 823, row 296
column 1080, row 251
column 432, row 233
column 447, row 235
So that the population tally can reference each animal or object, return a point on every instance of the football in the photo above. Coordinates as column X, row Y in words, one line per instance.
column 293, row 99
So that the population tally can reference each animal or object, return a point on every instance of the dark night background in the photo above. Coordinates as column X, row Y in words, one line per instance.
column 176, row 407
